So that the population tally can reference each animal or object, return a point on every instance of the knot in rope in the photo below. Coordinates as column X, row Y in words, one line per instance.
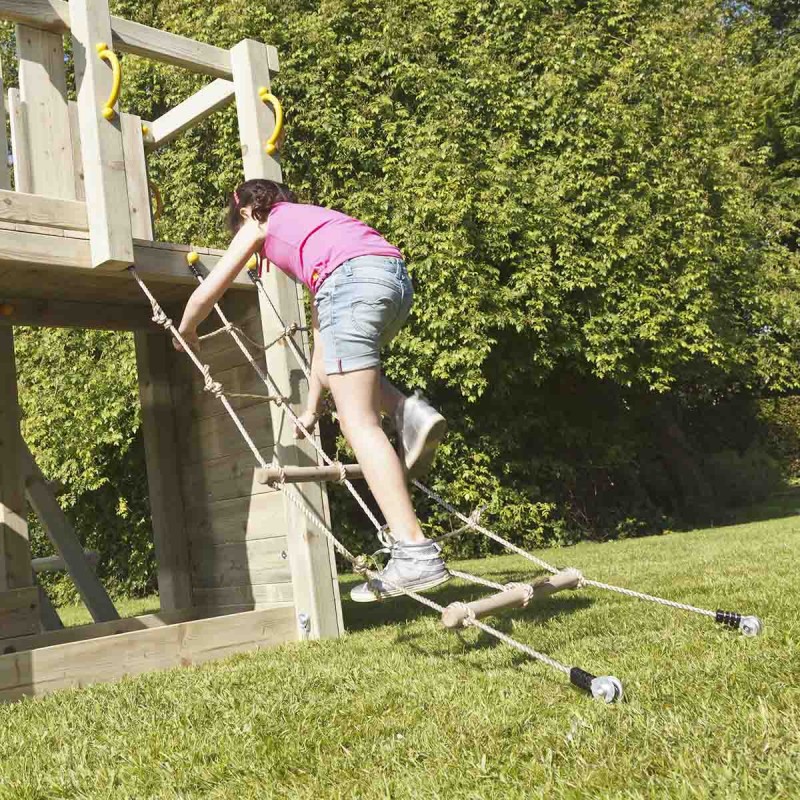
column 342, row 473
column 528, row 591
column 581, row 580
column 160, row 317
column 210, row 385
column 363, row 564
column 470, row 614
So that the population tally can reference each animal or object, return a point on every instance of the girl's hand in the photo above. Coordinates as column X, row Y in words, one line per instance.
column 190, row 337
column 309, row 421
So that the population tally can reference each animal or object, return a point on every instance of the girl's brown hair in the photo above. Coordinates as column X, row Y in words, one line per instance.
column 261, row 195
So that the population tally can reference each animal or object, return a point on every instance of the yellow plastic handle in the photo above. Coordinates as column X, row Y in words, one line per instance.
column 159, row 201
column 267, row 97
column 110, row 57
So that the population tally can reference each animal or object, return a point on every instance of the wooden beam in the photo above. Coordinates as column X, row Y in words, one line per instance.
column 106, row 659
column 199, row 106
column 66, row 314
column 19, row 612
column 80, row 633
column 57, row 563
column 48, row 615
column 131, row 37
column 20, row 150
column 33, row 209
column 163, row 470
column 136, row 168
column 22, row 249
column 5, row 175
column 105, row 181
column 15, row 552
column 316, row 589
column 65, row 540
column 43, row 91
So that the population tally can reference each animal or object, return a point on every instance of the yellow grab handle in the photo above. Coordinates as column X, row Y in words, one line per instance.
column 267, row 97
column 252, row 262
column 110, row 57
column 159, row 201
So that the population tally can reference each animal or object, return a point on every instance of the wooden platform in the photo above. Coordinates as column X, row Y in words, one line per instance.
column 54, row 265
column 134, row 646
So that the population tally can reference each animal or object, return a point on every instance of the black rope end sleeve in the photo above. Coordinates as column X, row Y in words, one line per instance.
column 581, row 678
column 729, row 618
column 193, row 269
column 253, row 275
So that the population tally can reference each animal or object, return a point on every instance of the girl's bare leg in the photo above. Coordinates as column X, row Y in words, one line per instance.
column 360, row 397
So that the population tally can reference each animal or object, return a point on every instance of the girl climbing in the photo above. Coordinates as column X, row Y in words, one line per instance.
column 362, row 295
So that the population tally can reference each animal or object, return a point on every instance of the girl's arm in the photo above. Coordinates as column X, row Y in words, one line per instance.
column 247, row 241
column 315, row 384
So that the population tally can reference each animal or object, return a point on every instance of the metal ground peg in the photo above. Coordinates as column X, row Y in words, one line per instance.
column 748, row 625
column 304, row 625
column 605, row 687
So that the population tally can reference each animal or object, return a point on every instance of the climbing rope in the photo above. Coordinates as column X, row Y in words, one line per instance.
column 749, row 625
column 605, row 687
column 273, row 387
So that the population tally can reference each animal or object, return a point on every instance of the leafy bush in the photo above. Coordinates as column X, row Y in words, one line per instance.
column 595, row 201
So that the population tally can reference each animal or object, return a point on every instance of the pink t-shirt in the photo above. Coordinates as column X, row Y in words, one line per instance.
column 309, row 242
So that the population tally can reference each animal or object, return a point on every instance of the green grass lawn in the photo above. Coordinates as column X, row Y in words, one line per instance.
column 400, row 708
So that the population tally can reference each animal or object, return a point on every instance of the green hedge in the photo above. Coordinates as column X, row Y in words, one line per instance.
column 593, row 198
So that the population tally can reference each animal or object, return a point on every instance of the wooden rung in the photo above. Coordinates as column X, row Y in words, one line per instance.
column 517, row 596
column 307, row 474
column 57, row 564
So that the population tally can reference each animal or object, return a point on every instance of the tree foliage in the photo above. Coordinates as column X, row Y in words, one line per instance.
column 598, row 204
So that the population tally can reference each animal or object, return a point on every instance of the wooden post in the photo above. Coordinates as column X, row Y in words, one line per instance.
column 315, row 587
column 23, row 181
column 101, row 139
column 15, row 553
column 163, row 471
column 5, row 177
column 43, row 91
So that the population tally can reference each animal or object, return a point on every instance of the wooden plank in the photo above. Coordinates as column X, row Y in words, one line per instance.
column 131, row 37
column 32, row 209
column 49, row 15
column 136, row 167
column 5, row 175
column 252, row 595
column 163, row 470
column 101, row 139
column 57, row 563
column 223, row 478
column 255, row 562
column 31, row 249
column 310, row 553
column 80, row 633
column 19, row 612
column 61, row 533
column 77, row 155
column 107, row 659
column 43, row 90
column 215, row 437
column 238, row 520
column 15, row 553
column 199, row 106
column 67, row 314
column 23, row 182
column 241, row 379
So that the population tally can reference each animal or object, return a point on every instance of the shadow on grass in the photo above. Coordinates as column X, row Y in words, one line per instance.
column 364, row 616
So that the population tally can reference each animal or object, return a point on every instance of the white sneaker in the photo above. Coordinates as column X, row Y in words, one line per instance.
column 420, row 430
column 412, row 566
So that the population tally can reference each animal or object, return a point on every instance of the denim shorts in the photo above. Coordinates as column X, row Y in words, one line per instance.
column 361, row 306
